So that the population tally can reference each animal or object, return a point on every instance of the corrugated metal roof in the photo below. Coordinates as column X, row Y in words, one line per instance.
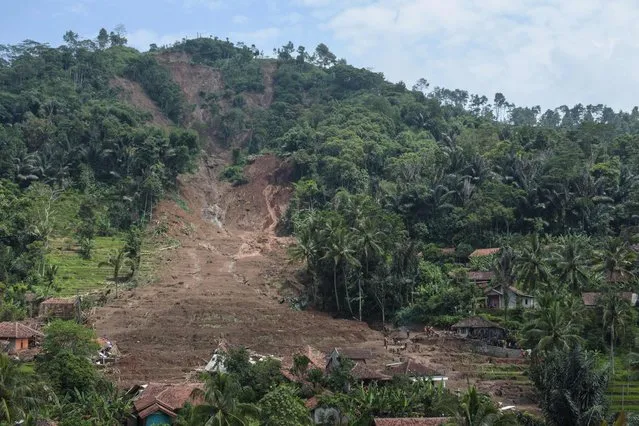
column 476, row 322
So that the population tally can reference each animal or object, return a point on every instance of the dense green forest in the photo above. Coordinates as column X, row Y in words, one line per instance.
column 385, row 176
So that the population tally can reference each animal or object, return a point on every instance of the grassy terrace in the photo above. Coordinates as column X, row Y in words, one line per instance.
column 77, row 275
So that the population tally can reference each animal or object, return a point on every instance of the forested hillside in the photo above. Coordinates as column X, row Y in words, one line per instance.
column 385, row 176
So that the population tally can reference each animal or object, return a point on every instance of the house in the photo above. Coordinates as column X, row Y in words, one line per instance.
column 447, row 251
column 485, row 252
column 481, row 278
column 416, row 371
column 514, row 298
column 66, row 309
column 354, row 354
column 323, row 415
column 366, row 374
column 18, row 336
column 158, row 403
column 591, row 299
column 412, row 421
column 479, row 328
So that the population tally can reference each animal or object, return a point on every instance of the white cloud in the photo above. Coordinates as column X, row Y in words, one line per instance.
column 142, row 38
column 262, row 38
column 547, row 53
column 239, row 19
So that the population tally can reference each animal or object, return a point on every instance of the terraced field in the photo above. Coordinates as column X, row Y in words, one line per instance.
column 77, row 275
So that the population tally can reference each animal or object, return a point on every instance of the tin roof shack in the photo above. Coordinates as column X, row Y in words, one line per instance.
column 159, row 403
column 412, row 421
column 481, row 278
column 66, row 309
column 415, row 371
column 479, row 328
column 18, row 336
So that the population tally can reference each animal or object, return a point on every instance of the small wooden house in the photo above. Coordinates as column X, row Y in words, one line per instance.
column 66, row 309
column 479, row 328
column 18, row 336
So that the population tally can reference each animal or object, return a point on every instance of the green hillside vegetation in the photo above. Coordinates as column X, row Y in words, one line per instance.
column 384, row 176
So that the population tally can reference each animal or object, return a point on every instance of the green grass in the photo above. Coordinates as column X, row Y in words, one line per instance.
column 77, row 275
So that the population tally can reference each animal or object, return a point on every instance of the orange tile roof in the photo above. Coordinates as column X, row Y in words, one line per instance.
column 16, row 330
column 172, row 397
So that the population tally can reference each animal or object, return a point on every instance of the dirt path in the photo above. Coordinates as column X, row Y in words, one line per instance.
column 220, row 282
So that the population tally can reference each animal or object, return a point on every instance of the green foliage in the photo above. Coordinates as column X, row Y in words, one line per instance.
column 282, row 406
column 158, row 84
column 571, row 387
column 68, row 336
column 255, row 379
column 235, row 175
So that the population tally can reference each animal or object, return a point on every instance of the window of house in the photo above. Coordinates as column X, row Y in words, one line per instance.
column 525, row 301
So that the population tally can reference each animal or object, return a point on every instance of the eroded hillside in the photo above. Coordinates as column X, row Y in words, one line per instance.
column 222, row 279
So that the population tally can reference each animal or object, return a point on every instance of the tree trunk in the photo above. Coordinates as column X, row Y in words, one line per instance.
column 612, row 349
column 348, row 297
column 335, row 286
column 359, row 285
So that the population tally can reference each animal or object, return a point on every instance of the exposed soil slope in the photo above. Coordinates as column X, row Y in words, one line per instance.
column 220, row 282
column 132, row 92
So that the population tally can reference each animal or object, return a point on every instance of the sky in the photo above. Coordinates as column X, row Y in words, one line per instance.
column 536, row 52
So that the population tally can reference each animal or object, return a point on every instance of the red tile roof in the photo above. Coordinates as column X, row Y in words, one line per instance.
column 362, row 372
column 411, row 368
column 485, row 252
column 355, row 353
column 311, row 403
column 16, row 330
column 412, row 421
column 171, row 397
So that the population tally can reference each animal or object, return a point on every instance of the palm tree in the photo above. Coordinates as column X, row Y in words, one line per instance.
column 115, row 260
column 476, row 409
column 615, row 259
column 504, row 275
column 17, row 392
column 531, row 266
column 339, row 248
column 369, row 240
column 572, row 262
column 306, row 249
column 221, row 400
column 616, row 315
column 553, row 326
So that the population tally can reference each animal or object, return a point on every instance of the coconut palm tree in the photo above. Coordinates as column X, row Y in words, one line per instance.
column 369, row 239
column 615, row 259
column 115, row 260
column 306, row 249
column 339, row 248
column 616, row 316
column 504, row 274
column 553, row 326
column 17, row 392
column 572, row 261
column 532, row 263
column 221, row 401
column 476, row 409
